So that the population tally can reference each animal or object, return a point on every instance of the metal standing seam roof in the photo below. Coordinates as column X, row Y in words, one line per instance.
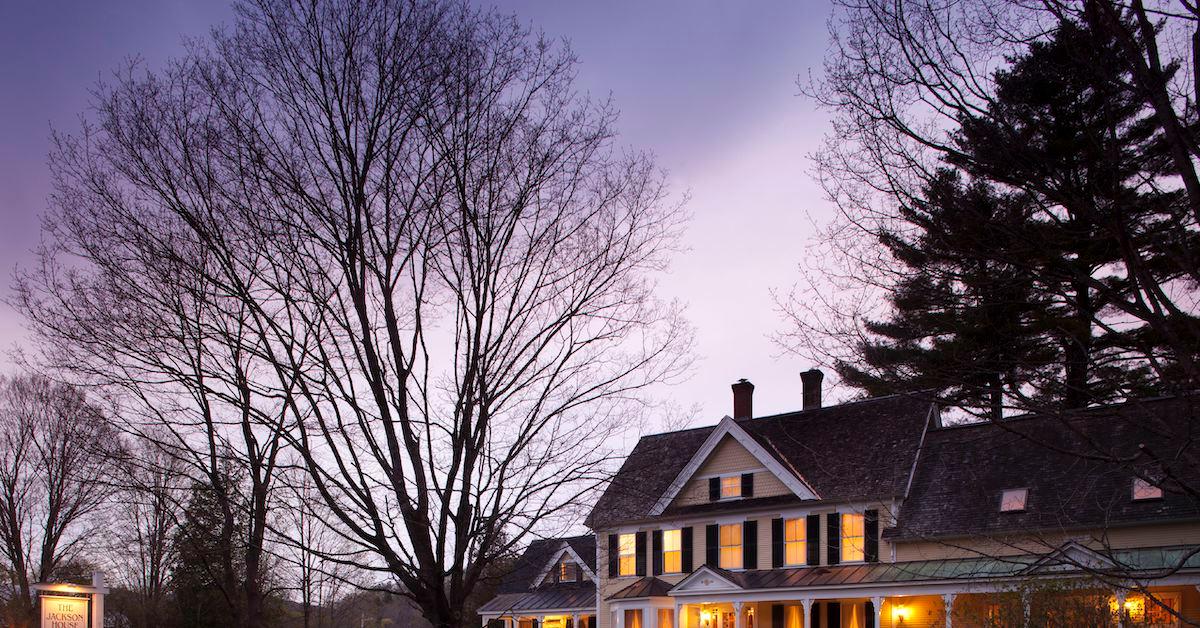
column 642, row 588
column 1145, row 561
column 556, row 597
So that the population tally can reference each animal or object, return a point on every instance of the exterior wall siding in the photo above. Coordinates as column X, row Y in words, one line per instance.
column 1147, row 535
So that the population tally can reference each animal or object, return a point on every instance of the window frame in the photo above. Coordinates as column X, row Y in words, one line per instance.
column 1022, row 491
column 622, row 555
column 667, row 534
column 801, row 524
column 736, row 486
column 739, row 545
column 566, row 567
column 1156, row 490
column 845, row 544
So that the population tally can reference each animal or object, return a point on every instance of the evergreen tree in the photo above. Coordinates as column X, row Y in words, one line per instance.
column 1011, row 274
column 209, row 559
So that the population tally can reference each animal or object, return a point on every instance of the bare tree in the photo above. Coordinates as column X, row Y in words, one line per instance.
column 393, row 234
column 53, row 479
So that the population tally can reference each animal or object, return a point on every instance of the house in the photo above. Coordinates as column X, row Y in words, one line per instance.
column 552, row 585
column 874, row 514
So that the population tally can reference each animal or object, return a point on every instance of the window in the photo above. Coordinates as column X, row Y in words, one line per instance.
column 666, row 618
column 633, row 618
column 1156, row 615
column 626, row 555
column 1013, row 499
column 731, row 487
column 672, row 558
column 795, row 547
column 731, row 546
column 1145, row 490
column 567, row 572
column 852, row 537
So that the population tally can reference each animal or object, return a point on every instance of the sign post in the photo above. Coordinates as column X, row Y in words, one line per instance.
column 63, row 605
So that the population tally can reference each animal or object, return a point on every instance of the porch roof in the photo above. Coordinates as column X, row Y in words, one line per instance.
column 1143, row 562
column 559, row 597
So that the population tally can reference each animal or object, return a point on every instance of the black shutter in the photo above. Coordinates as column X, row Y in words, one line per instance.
column 612, row 556
column 687, row 549
column 871, row 532
column 815, row 615
column 833, row 613
column 777, row 615
column 714, row 489
column 747, row 485
column 869, row 614
column 640, row 562
column 813, row 540
column 776, row 543
column 535, row 623
column 750, row 545
column 656, row 551
column 712, row 551
column 834, row 530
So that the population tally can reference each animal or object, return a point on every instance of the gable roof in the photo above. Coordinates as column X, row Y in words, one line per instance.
column 537, row 557
column 858, row 450
column 957, row 484
column 769, row 459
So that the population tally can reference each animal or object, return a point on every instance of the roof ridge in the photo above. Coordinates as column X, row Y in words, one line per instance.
column 1073, row 413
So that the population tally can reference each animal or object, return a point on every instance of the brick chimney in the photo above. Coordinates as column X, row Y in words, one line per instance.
column 811, row 380
column 743, row 399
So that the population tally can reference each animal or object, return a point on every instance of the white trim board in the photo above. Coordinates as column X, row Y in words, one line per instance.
column 729, row 427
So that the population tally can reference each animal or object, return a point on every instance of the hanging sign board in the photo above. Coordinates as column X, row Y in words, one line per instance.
column 64, row 612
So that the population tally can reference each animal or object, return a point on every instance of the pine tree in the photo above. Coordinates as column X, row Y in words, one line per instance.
column 1013, row 254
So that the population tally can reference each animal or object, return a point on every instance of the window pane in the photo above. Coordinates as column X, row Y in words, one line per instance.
column 795, row 529
column 672, row 540
column 852, row 537
column 731, row 546
column 1145, row 490
column 1013, row 499
column 731, row 487
column 627, row 552
column 666, row 618
column 633, row 619
column 672, row 562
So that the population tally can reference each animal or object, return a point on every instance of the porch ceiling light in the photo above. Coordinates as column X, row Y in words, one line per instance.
column 900, row 612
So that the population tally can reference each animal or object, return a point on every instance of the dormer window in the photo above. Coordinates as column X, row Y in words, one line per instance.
column 1143, row 489
column 568, row 572
column 731, row 487
column 1013, row 499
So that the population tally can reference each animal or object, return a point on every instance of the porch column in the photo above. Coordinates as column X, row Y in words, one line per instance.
column 948, row 600
column 877, row 603
column 1025, row 608
column 737, row 615
column 1120, row 593
column 574, row 620
column 807, row 603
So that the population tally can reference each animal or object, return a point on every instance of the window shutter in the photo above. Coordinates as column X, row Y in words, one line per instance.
column 813, row 538
column 776, row 543
column 833, row 613
column 777, row 615
column 815, row 615
column 871, row 532
column 612, row 556
column 750, row 544
column 714, row 489
column 833, row 523
column 869, row 614
column 712, row 549
column 640, row 545
column 656, row 549
column 687, row 549
column 747, row 485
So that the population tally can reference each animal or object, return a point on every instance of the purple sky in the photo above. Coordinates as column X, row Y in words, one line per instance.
column 709, row 86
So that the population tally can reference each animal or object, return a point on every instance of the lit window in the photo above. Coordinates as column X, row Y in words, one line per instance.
column 731, row 487
column 1156, row 614
column 731, row 546
column 666, row 617
column 795, row 550
column 672, row 558
column 566, row 572
column 1013, row 499
column 626, row 555
column 1145, row 490
column 852, row 537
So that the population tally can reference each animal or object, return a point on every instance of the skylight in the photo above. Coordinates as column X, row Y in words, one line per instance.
column 1013, row 499
column 1145, row 490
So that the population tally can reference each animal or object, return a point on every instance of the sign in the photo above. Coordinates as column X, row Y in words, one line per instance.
column 64, row 612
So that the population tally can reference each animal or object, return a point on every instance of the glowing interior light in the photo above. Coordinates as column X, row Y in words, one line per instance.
column 900, row 612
